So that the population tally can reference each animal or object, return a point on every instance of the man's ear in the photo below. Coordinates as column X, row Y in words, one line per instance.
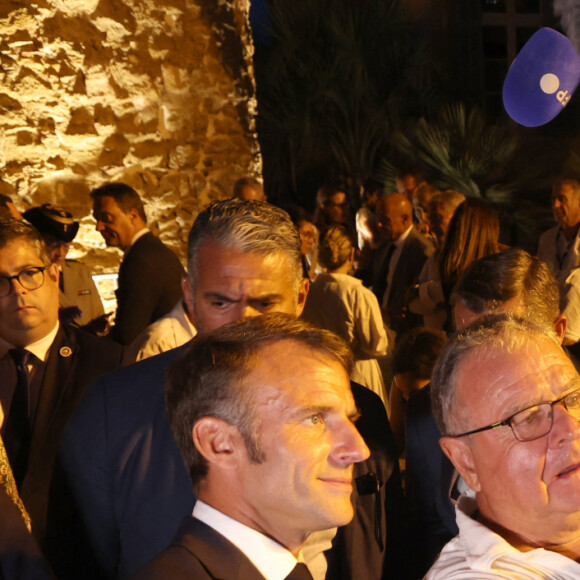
column 133, row 214
column 187, row 291
column 54, row 272
column 560, row 326
column 219, row 442
column 302, row 294
column 459, row 453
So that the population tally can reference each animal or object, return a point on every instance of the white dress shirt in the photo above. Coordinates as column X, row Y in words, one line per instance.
column 477, row 553
column 271, row 559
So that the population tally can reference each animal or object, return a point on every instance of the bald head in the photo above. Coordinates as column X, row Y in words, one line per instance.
column 395, row 216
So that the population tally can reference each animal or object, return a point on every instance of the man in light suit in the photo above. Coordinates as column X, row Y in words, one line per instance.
column 398, row 261
column 130, row 483
column 39, row 391
column 263, row 414
column 149, row 283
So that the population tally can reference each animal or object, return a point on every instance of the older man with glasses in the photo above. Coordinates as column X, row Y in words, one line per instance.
column 507, row 399
column 44, row 367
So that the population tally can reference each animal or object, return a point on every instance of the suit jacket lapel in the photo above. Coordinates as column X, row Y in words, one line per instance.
column 57, row 377
column 221, row 559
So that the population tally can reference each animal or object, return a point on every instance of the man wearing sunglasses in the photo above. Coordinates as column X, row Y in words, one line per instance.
column 507, row 399
column 44, row 367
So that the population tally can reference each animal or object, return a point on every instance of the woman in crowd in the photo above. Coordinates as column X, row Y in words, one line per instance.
column 339, row 302
column 473, row 233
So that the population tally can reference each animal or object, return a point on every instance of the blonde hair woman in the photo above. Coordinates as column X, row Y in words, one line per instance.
column 339, row 302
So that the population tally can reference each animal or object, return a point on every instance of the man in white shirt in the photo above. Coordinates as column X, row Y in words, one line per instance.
column 149, row 283
column 263, row 414
column 559, row 247
column 507, row 399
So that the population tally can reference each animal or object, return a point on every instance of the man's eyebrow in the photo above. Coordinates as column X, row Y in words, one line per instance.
column 570, row 387
column 271, row 296
column 219, row 296
column 22, row 268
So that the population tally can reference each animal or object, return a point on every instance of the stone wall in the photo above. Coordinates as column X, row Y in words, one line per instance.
column 155, row 93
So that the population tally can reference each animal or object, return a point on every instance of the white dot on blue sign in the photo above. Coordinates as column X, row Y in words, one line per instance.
column 549, row 83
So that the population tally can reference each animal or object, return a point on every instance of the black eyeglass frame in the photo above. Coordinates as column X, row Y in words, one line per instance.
column 9, row 279
column 508, row 422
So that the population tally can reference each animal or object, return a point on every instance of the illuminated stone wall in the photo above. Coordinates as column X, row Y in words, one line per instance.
column 155, row 93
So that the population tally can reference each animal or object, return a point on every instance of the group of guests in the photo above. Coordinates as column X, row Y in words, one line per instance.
column 258, row 445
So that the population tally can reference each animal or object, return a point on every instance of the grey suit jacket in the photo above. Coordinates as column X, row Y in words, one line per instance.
column 199, row 553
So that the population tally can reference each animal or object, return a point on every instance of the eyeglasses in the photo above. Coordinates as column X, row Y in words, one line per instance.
column 536, row 421
column 29, row 279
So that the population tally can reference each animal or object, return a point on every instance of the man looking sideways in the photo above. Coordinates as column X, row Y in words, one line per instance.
column 263, row 414
column 507, row 400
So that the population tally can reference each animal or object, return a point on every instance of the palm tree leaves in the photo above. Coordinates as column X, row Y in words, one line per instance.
column 331, row 87
column 461, row 150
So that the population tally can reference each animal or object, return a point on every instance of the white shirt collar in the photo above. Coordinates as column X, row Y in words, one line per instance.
column 271, row 559
column 138, row 235
column 39, row 348
column 485, row 547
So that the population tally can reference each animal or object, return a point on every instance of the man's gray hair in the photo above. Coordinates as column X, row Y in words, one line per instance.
column 253, row 227
column 486, row 334
column 209, row 379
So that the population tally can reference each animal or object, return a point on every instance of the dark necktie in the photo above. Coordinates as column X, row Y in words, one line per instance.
column 381, row 285
column 17, row 429
column 300, row 572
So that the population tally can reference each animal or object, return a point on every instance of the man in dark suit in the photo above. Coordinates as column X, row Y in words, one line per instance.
column 149, row 283
column 263, row 414
column 44, row 367
column 398, row 261
column 130, row 483
column 510, row 281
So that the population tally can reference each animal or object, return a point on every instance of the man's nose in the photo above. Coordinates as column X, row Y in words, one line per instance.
column 247, row 311
column 566, row 425
column 17, row 287
column 350, row 447
column 100, row 226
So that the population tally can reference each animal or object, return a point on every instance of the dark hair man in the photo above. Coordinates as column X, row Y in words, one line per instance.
column 263, row 414
column 130, row 483
column 44, row 367
column 79, row 298
column 149, row 283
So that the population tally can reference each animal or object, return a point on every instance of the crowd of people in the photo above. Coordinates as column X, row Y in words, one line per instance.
column 387, row 395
